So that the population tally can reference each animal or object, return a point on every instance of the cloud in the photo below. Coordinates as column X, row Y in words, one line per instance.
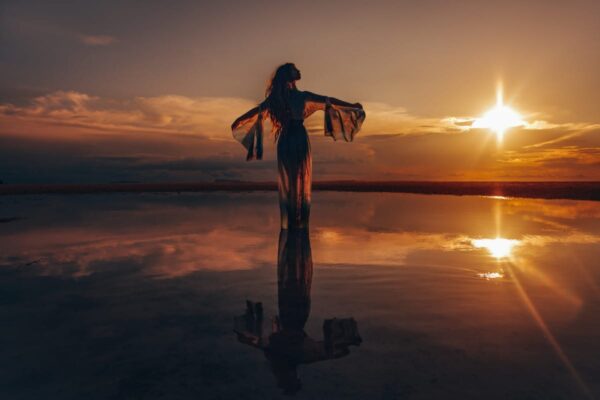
column 97, row 40
column 208, row 117
column 212, row 116
column 45, row 27
column 467, row 123
column 385, row 119
column 68, row 136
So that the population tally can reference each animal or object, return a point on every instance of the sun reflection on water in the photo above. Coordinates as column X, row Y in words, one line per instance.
column 491, row 275
column 498, row 248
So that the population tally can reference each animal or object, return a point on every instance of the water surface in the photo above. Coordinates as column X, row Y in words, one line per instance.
column 135, row 295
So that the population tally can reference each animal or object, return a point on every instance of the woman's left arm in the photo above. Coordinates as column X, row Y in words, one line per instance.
column 323, row 99
column 342, row 103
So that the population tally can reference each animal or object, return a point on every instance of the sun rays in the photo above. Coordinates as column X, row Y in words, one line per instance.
column 498, row 247
column 500, row 118
column 515, row 268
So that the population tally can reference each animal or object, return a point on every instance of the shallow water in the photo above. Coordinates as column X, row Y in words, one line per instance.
column 134, row 296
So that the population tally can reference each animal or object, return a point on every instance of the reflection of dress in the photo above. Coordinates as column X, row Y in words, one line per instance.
column 288, row 345
column 294, row 278
column 294, row 159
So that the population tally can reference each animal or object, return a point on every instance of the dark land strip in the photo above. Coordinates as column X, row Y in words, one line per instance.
column 543, row 190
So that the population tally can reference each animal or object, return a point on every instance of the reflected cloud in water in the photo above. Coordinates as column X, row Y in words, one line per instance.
column 178, row 235
column 491, row 275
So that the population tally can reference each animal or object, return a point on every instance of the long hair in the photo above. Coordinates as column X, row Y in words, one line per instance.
column 277, row 96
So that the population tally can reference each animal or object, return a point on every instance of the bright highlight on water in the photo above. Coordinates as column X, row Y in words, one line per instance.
column 498, row 248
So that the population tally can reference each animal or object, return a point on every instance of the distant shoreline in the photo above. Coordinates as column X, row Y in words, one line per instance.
column 543, row 190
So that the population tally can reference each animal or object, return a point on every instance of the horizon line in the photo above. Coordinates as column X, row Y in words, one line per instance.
column 575, row 190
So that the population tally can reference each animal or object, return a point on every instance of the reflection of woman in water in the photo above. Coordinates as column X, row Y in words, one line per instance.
column 287, row 107
column 288, row 345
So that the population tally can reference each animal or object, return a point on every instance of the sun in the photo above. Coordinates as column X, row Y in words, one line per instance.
column 498, row 247
column 500, row 118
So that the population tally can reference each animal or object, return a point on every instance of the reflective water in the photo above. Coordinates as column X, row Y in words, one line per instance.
column 138, row 296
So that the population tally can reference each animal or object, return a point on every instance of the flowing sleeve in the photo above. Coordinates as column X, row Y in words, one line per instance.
column 249, row 132
column 341, row 122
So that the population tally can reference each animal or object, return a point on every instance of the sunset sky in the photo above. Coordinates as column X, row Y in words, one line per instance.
column 146, row 91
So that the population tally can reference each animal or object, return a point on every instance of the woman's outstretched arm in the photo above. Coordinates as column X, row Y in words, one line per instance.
column 323, row 99
column 251, row 113
column 342, row 103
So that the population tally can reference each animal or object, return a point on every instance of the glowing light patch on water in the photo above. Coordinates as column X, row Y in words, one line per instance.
column 491, row 275
column 498, row 247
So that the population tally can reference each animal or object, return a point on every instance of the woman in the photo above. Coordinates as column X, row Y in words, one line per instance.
column 287, row 107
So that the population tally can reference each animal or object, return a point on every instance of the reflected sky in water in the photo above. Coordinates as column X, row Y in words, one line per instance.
column 178, row 234
column 452, row 294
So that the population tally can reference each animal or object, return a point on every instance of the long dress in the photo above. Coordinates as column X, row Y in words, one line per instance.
column 294, row 159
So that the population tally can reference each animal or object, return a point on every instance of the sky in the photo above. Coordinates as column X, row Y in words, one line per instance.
column 146, row 91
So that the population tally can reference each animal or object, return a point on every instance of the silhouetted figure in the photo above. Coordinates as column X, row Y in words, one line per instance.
column 288, row 345
column 287, row 107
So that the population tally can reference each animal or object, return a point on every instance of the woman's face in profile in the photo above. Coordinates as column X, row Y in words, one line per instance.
column 295, row 73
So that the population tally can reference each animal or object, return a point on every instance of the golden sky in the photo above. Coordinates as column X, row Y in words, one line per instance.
column 146, row 92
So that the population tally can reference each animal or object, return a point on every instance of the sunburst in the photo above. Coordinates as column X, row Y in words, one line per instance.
column 500, row 118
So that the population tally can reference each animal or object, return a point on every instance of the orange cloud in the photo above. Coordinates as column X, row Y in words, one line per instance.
column 392, row 145
column 204, row 116
column 208, row 117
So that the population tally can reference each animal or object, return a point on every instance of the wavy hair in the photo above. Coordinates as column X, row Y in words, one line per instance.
column 277, row 96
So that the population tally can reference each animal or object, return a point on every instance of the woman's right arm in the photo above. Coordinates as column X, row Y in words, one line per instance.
column 251, row 113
